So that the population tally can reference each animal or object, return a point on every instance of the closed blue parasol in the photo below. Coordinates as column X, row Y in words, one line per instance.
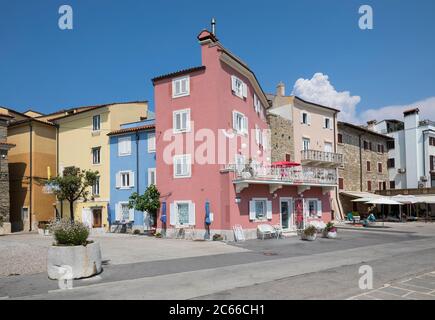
column 163, row 217
column 207, row 213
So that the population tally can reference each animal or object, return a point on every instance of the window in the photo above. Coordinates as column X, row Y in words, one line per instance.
column 327, row 123
column 240, row 123
column 96, row 123
column 380, row 184
column 181, row 121
column 328, row 147
column 340, row 138
column 240, row 162
column 151, row 142
column 305, row 118
column 182, row 213
column 314, row 208
column 257, row 104
column 366, row 145
column 287, row 157
column 390, row 144
column 432, row 141
column 238, row 87
column 392, row 184
column 182, row 166
column 124, row 146
column 258, row 136
column 369, row 186
column 370, row 146
column 181, row 87
column 432, row 180
column 369, row 166
column 379, row 167
column 96, row 155
column 260, row 209
column 391, row 163
column 432, row 163
column 125, row 211
column 125, row 179
column 152, row 179
column 96, row 187
column 380, row 148
column 306, row 144
column 341, row 183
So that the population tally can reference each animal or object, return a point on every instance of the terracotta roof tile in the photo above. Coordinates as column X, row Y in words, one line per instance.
column 134, row 129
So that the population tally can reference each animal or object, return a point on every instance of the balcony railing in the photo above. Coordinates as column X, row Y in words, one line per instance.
column 314, row 156
column 300, row 175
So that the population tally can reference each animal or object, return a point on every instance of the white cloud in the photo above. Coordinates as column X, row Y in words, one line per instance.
column 319, row 90
column 426, row 107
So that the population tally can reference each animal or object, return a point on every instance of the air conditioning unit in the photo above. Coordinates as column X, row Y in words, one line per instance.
column 401, row 170
column 423, row 178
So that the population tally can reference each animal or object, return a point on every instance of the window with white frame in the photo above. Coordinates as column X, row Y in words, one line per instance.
column 182, row 166
column 238, row 87
column 240, row 122
column 124, row 146
column 327, row 123
column 182, row 213
column 260, row 209
column 328, row 147
column 257, row 104
column 96, row 155
column 181, row 121
column 181, row 87
column 123, row 212
column 306, row 144
column 151, row 142
column 125, row 179
column 314, row 208
column 96, row 123
column 96, row 187
column 305, row 117
column 152, row 179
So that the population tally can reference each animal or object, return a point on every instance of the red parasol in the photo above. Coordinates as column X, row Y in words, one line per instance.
column 285, row 164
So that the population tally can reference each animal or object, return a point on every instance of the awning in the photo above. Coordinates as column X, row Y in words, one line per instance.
column 384, row 200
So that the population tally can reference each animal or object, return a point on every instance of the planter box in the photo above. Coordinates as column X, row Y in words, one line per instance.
column 84, row 261
column 331, row 235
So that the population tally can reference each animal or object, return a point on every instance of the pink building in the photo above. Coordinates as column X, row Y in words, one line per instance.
column 213, row 155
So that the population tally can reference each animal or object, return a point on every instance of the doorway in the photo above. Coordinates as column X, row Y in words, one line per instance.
column 286, row 212
column 97, row 218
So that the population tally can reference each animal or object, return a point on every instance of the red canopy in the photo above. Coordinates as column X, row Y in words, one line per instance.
column 285, row 164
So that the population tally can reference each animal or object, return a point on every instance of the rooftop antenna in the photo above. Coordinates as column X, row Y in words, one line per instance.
column 213, row 26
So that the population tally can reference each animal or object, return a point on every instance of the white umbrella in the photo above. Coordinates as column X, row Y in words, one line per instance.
column 384, row 200
column 362, row 199
column 405, row 198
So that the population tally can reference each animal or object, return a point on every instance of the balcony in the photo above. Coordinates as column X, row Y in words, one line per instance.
column 321, row 158
column 275, row 177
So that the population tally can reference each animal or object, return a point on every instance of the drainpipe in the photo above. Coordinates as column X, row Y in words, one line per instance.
column 360, row 164
column 57, row 166
column 31, row 176
column 336, row 169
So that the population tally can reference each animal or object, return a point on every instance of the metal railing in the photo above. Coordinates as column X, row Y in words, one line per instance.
column 295, row 175
column 322, row 156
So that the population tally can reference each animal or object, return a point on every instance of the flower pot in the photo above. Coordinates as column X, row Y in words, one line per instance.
column 82, row 261
column 331, row 235
column 308, row 238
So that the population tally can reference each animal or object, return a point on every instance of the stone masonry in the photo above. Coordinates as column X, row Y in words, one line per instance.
column 4, row 176
column 281, row 138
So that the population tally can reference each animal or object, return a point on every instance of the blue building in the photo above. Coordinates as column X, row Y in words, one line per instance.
column 132, row 169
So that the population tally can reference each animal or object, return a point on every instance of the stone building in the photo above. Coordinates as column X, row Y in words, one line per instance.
column 4, row 175
column 364, row 168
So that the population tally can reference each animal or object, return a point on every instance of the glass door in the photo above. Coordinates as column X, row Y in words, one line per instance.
column 286, row 210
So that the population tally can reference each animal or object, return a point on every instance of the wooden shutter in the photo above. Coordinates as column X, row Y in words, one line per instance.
column 131, row 174
column 269, row 210
column 118, row 213
column 192, row 214
column 244, row 90
column 245, row 124
column 234, row 120
column 251, row 210
column 118, row 180
column 172, row 214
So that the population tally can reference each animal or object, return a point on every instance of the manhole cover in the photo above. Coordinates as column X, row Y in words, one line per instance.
column 270, row 253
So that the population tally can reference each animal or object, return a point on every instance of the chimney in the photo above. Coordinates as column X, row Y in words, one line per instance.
column 213, row 26
column 280, row 89
column 371, row 125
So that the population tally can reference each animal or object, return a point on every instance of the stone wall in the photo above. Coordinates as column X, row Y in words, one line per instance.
column 4, row 174
column 281, row 138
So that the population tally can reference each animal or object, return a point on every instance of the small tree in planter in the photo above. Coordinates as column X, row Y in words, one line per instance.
column 73, row 185
column 72, row 250
column 330, row 231
column 147, row 202
column 309, row 233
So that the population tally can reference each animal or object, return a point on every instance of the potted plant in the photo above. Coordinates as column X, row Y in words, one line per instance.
column 72, row 250
column 330, row 231
column 217, row 237
column 44, row 228
column 309, row 233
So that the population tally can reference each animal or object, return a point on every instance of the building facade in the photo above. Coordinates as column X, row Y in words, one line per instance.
column 365, row 167
column 83, row 143
column 213, row 153
column 132, row 169
column 412, row 152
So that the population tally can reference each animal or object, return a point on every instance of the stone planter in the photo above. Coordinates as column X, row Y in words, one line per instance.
column 331, row 235
column 85, row 261
column 308, row 238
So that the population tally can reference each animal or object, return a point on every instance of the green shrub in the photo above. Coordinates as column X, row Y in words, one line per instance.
column 310, row 231
column 70, row 233
column 136, row 231
column 217, row 237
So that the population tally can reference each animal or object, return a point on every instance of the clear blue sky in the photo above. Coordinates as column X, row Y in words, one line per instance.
column 116, row 47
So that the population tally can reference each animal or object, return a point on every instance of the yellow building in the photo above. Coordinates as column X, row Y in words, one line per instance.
column 83, row 143
column 30, row 164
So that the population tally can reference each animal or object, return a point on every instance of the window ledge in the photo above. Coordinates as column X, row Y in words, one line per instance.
column 95, row 132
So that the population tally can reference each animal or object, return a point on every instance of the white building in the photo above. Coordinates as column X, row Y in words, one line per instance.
column 411, row 157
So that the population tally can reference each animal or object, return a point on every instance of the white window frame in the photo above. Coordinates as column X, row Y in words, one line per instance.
column 257, row 104
column 151, row 142
column 308, row 118
column 120, row 215
column 180, row 81
column 99, row 155
column 244, row 129
column 186, row 174
column 191, row 212
column 97, row 116
column 150, row 172
column 329, row 126
column 119, row 180
column 328, row 143
column 267, row 210
column 239, row 88
column 319, row 211
column 121, row 142
column 303, row 143
column 174, row 121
